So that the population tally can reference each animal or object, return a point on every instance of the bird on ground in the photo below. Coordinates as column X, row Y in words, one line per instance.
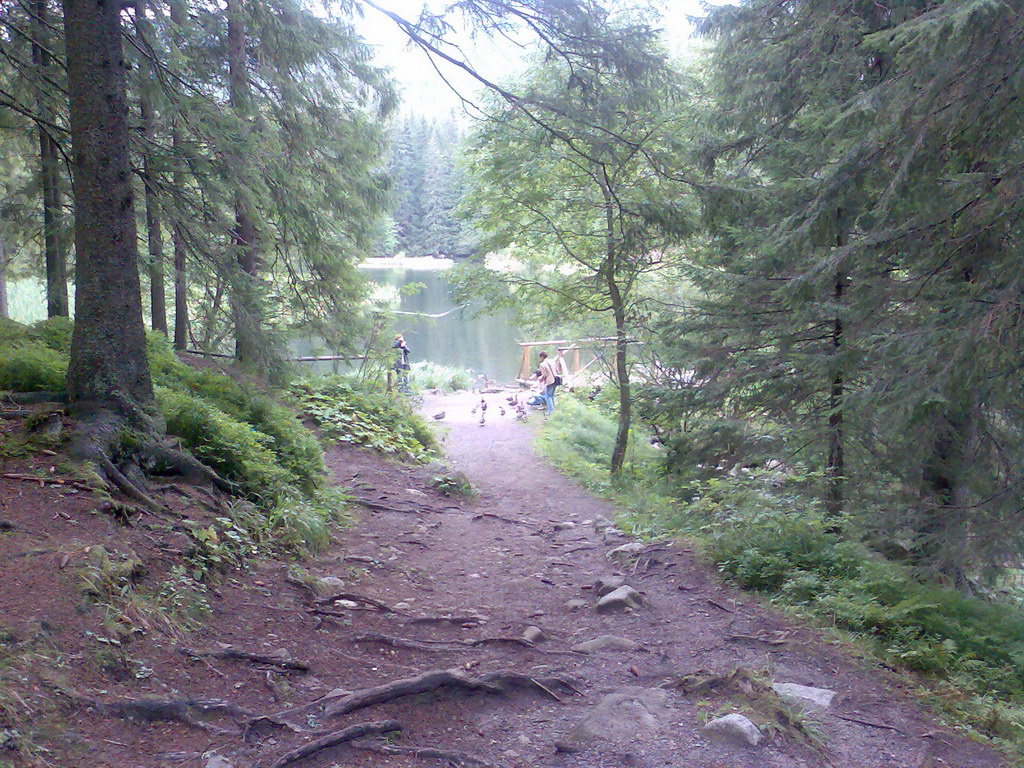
column 501, row 410
column 439, row 416
column 482, row 417
column 483, row 405
column 474, row 409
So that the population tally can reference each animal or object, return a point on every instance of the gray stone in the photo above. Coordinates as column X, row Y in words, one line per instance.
column 534, row 635
column 325, row 586
column 609, row 583
column 565, row 526
column 804, row 695
column 624, row 716
column 623, row 598
column 607, row 643
column 613, row 534
column 734, row 729
column 575, row 604
column 632, row 549
column 218, row 761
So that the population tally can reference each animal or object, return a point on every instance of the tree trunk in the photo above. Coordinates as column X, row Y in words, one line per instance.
column 4, row 310
column 245, row 304
column 154, row 233
column 49, row 177
column 178, row 17
column 622, row 372
column 108, row 368
column 619, row 313
column 835, row 468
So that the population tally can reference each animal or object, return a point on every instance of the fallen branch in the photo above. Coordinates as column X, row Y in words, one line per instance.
column 458, row 759
column 333, row 739
column 235, row 654
column 19, row 414
column 51, row 480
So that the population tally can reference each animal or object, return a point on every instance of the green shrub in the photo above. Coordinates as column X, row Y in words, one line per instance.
column 348, row 414
column 32, row 368
column 295, row 448
column 55, row 333
column 231, row 447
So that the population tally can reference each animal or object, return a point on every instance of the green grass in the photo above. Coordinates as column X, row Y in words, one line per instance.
column 774, row 539
column 427, row 375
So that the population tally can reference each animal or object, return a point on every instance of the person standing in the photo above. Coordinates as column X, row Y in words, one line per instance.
column 549, row 379
column 401, row 363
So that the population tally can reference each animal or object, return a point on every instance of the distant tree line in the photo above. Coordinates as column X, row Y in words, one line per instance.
column 426, row 186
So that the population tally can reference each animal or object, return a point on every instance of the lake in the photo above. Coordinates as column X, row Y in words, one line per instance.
column 486, row 344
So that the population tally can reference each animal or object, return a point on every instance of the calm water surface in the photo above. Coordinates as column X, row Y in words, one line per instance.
column 485, row 345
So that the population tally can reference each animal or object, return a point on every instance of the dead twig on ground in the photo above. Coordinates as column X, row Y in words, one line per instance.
column 337, row 737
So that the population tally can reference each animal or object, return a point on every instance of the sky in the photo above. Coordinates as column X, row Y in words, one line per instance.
column 424, row 91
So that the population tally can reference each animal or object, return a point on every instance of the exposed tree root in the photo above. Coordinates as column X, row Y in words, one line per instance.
column 186, row 711
column 333, row 739
column 235, row 654
column 344, row 702
column 353, row 597
column 178, row 462
column 458, row 759
column 21, row 413
column 437, row 646
column 482, row 515
column 127, row 487
column 471, row 620
column 377, row 506
column 48, row 480
column 34, row 398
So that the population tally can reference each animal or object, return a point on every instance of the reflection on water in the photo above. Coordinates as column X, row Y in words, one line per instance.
column 484, row 344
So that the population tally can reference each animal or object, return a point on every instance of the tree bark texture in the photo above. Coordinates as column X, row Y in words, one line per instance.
column 108, row 364
column 245, row 301
column 4, row 309
column 49, row 180
column 619, row 313
column 178, row 17
column 835, row 467
column 154, row 232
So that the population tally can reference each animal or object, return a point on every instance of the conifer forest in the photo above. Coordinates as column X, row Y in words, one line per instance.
column 798, row 236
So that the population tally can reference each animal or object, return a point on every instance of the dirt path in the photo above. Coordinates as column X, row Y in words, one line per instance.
column 503, row 559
